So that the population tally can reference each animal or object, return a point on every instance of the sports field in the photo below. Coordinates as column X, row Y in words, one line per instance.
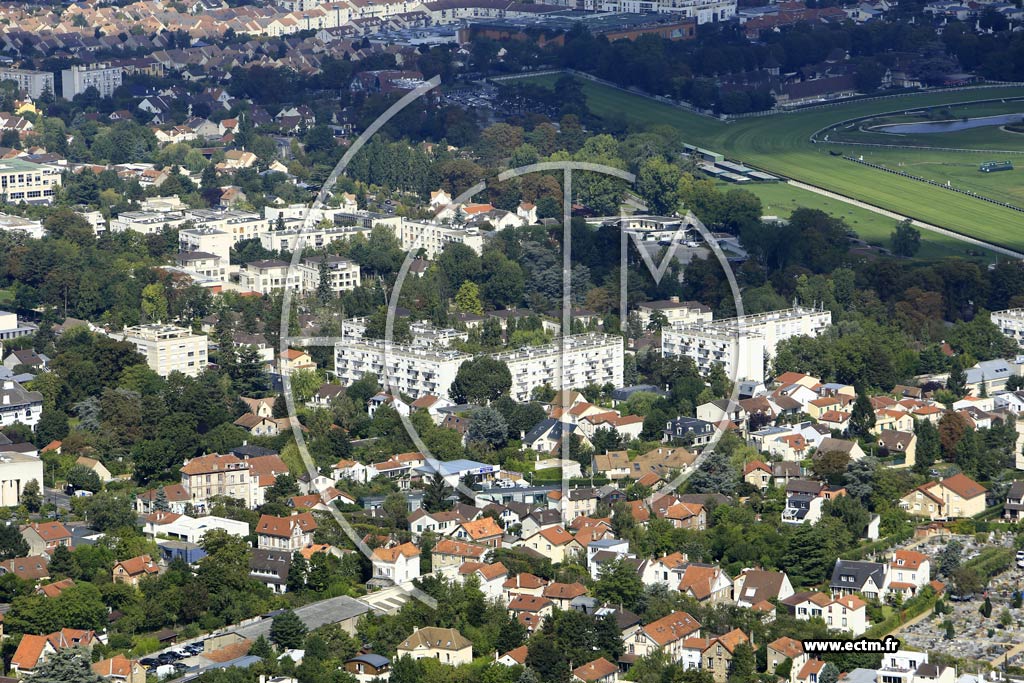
column 781, row 144
column 780, row 199
column 987, row 137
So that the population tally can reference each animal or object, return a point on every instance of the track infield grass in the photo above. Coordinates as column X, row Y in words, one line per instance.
column 781, row 144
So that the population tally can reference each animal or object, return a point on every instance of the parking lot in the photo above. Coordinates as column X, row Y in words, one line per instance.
column 177, row 659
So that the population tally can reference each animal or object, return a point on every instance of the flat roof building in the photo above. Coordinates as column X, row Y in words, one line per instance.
column 169, row 348
column 741, row 345
column 409, row 369
column 571, row 362
column 32, row 83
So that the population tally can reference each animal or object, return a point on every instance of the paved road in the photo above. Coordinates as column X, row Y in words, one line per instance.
column 899, row 217
column 57, row 496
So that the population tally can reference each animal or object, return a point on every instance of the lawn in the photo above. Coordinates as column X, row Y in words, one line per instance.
column 987, row 137
column 959, row 169
column 780, row 199
column 781, row 144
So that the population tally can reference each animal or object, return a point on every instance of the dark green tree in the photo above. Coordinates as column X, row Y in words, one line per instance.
column 487, row 426
column 929, row 447
column 480, row 380
column 262, row 648
column 862, row 419
column 435, row 495
column 619, row 584
column 829, row 674
column 70, row 665
column 743, row 666
column 906, row 239
column 297, row 572
column 31, row 496
column 287, row 630
column 12, row 544
column 957, row 381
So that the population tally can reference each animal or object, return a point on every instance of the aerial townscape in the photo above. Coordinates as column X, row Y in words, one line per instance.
column 511, row 341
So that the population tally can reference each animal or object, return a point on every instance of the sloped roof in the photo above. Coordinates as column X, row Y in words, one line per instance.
column 787, row 647
column 671, row 628
column 392, row 554
column 435, row 638
column 283, row 527
column 29, row 650
column 142, row 564
column 448, row 546
column 595, row 670
column 963, row 486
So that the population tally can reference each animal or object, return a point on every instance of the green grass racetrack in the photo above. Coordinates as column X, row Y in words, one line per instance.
column 780, row 144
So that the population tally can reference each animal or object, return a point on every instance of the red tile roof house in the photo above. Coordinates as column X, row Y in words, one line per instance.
column 667, row 634
column 484, row 531
column 449, row 553
column 32, row 568
column 120, row 668
column 530, row 610
column 562, row 594
column 285, row 533
column 132, row 570
column 598, row 671
column 34, row 649
column 45, row 537
column 52, row 590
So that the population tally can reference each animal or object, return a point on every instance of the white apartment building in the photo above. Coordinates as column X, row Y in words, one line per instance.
column 32, row 83
column 342, row 274
column 432, row 237
column 202, row 263
column 1010, row 322
column 23, row 181
column 10, row 328
column 19, row 405
column 25, row 226
column 79, row 78
column 409, row 370
column 314, row 238
column 711, row 344
column 675, row 311
column 16, row 470
column 241, row 225
column 168, row 348
column 147, row 222
column 741, row 345
column 207, row 241
column 571, row 362
column 268, row 276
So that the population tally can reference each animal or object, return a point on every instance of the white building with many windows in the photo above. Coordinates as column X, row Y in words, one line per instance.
column 571, row 362
column 342, row 274
column 25, row 182
column 432, row 237
column 168, row 348
column 268, row 276
column 410, row 369
column 1010, row 322
column 147, row 222
column 741, row 345
column 32, row 83
column 79, row 78
column 18, row 405
column 11, row 328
